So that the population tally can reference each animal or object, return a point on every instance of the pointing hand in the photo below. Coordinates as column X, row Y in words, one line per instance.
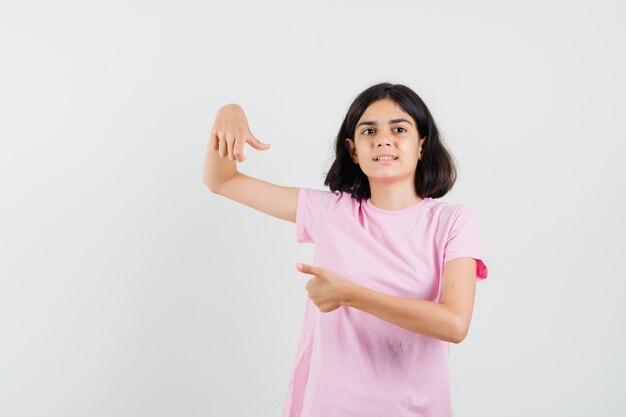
column 327, row 289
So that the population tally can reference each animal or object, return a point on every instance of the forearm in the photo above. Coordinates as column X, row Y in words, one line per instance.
column 420, row 316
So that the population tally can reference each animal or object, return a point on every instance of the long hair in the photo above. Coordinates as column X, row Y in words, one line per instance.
column 435, row 171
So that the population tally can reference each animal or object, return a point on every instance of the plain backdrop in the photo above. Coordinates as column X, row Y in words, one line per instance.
column 128, row 289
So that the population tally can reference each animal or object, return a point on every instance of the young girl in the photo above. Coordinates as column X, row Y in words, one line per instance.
column 395, row 269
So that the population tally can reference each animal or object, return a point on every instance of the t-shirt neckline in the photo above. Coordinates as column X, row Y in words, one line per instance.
column 405, row 210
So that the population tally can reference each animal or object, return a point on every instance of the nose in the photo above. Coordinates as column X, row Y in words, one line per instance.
column 382, row 140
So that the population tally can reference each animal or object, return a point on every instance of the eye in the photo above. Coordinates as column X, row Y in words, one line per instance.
column 403, row 129
column 367, row 130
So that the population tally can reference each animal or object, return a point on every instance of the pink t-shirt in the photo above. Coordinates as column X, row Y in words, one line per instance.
column 350, row 363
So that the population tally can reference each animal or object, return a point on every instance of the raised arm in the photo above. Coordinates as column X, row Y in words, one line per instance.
column 229, row 134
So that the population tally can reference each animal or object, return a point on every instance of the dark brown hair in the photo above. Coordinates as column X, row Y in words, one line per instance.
column 435, row 172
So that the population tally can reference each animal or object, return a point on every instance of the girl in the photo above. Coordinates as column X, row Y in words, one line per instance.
column 395, row 269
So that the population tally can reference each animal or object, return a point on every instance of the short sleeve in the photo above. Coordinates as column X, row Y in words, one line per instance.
column 312, row 206
column 464, row 240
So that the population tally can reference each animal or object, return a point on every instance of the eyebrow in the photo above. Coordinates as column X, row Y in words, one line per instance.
column 374, row 123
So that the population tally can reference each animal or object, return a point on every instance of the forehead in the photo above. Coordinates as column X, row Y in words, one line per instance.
column 383, row 110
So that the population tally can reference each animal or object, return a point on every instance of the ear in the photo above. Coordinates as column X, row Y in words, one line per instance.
column 352, row 150
column 421, row 147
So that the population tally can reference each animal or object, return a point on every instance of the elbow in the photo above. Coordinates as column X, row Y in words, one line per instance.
column 458, row 338
column 459, row 332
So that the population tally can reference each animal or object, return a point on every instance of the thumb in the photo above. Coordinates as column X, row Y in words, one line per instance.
column 257, row 144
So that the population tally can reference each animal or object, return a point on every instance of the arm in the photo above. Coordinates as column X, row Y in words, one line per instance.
column 448, row 320
column 228, row 136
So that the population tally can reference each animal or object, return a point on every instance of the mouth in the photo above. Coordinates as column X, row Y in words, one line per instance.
column 385, row 159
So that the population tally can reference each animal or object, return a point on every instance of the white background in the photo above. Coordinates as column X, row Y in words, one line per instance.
column 128, row 289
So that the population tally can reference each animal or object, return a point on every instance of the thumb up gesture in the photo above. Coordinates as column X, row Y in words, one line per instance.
column 327, row 289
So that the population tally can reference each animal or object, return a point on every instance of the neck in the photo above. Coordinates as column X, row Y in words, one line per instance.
column 393, row 196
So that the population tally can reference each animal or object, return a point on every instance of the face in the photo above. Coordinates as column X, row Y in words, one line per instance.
column 385, row 128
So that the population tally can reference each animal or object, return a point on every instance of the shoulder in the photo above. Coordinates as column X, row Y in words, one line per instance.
column 444, row 210
column 326, row 196
column 321, row 200
column 316, row 195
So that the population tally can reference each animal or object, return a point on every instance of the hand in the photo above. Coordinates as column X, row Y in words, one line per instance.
column 230, row 132
column 327, row 290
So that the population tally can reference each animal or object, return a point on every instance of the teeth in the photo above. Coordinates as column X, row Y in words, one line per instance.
column 385, row 158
